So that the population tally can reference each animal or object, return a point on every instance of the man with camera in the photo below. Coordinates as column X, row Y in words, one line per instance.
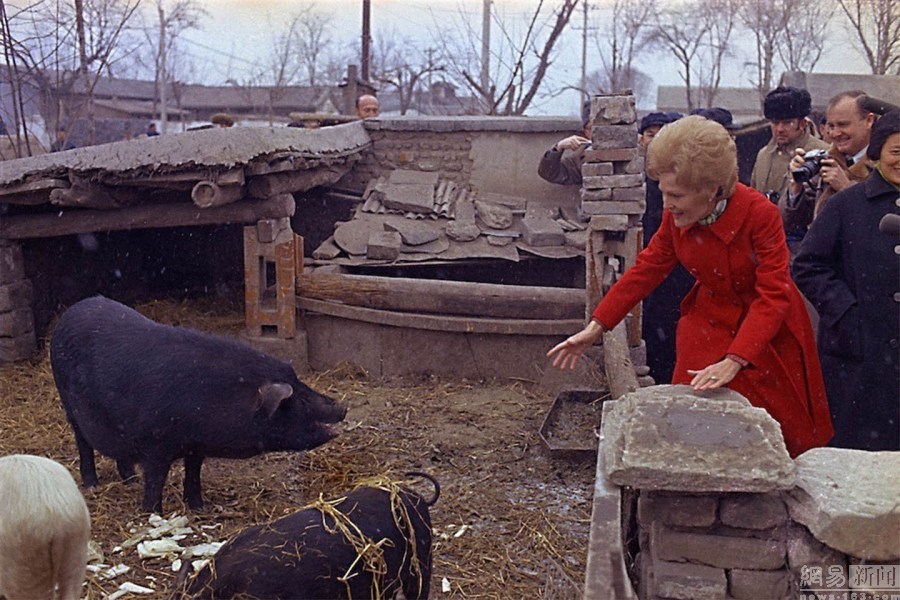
column 817, row 175
column 787, row 109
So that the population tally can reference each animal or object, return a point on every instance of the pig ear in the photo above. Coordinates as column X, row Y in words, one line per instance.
column 271, row 395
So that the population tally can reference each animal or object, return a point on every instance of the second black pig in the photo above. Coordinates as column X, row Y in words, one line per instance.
column 375, row 542
column 145, row 393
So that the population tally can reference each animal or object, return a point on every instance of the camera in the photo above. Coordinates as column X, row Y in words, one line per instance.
column 812, row 162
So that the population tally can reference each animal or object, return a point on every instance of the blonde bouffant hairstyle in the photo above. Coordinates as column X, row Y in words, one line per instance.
column 700, row 152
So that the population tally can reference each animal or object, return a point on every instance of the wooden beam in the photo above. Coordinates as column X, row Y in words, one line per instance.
column 74, row 221
column 31, row 192
column 444, row 297
column 266, row 186
column 180, row 179
column 206, row 194
column 617, row 362
column 543, row 327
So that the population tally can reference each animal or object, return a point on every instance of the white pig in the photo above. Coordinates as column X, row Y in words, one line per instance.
column 44, row 530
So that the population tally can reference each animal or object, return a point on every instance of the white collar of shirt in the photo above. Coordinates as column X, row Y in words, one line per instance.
column 859, row 155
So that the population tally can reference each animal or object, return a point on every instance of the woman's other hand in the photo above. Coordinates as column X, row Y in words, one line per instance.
column 715, row 375
column 566, row 354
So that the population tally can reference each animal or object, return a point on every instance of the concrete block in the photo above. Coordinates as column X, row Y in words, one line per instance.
column 633, row 166
column 596, row 169
column 17, row 294
column 613, row 181
column 753, row 585
column 753, row 511
column 613, row 110
column 629, row 194
column 19, row 347
column 614, row 136
column 12, row 263
column 384, row 245
column 722, row 551
column 613, row 222
column 17, row 322
column 687, row 510
column 542, row 231
column 595, row 195
column 687, row 581
column 605, row 207
column 612, row 154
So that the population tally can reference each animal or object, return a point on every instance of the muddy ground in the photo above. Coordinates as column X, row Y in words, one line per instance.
column 512, row 520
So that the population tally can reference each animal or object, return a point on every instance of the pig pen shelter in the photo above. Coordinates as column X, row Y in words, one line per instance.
column 430, row 245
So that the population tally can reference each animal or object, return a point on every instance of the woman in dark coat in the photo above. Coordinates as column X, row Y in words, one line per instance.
column 743, row 324
column 850, row 271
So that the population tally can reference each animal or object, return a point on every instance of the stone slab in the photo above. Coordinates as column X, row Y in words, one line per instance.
column 669, row 437
column 848, row 499
column 17, row 294
column 413, row 233
column 542, row 231
column 610, row 207
column 614, row 136
column 753, row 511
column 409, row 197
column 384, row 245
column 753, row 585
column 17, row 348
column 687, row 582
column 721, row 551
column 685, row 510
column 613, row 109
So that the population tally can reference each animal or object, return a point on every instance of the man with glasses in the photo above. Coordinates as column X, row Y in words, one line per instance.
column 849, row 123
column 786, row 108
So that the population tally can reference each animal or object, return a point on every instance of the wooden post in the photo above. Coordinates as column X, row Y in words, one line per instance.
column 270, row 306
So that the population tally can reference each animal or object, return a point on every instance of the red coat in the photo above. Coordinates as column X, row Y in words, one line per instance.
column 744, row 303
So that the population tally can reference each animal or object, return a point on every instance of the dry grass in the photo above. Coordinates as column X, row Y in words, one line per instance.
column 510, row 523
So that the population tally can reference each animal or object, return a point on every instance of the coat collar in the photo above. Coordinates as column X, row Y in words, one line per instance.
column 726, row 226
column 876, row 186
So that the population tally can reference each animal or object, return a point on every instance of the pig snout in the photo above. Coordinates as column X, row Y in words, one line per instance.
column 323, row 408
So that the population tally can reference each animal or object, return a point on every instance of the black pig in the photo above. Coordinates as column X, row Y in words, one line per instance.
column 307, row 555
column 145, row 393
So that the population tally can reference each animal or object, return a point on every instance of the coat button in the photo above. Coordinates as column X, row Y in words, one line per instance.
column 712, row 322
column 894, row 343
column 896, row 296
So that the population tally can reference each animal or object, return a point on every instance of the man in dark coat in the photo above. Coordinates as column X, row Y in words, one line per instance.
column 661, row 309
column 849, row 271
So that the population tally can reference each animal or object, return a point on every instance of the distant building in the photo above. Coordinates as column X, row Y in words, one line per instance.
column 744, row 103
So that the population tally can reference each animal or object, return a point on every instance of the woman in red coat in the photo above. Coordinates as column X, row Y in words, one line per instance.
column 744, row 324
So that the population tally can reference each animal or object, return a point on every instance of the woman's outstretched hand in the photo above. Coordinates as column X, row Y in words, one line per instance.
column 566, row 354
column 715, row 375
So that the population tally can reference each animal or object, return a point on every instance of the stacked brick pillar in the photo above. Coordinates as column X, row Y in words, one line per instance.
column 17, row 337
column 613, row 196
column 273, row 257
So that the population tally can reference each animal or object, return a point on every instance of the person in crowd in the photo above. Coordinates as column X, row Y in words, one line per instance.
column 849, row 126
column 850, row 271
column 561, row 164
column 367, row 107
column 61, row 143
column 743, row 324
column 720, row 115
column 661, row 309
column 151, row 130
column 786, row 108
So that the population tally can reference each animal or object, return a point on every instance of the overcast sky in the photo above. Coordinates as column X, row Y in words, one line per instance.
column 237, row 36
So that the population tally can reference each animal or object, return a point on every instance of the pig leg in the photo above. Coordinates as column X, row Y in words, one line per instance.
column 86, row 465
column 155, row 473
column 126, row 470
column 193, row 494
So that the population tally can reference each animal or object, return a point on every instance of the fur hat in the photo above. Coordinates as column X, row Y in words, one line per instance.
column 884, row 127
column 787, row 103
column 654, row 119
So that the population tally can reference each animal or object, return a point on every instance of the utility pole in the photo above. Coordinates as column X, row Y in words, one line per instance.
column 82, row 54
column 163, row 102
column 485, row 47
column 430, row 53
column 366, row 38
column 584, row 93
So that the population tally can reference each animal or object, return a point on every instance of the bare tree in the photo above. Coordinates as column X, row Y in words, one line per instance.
column 641, row 84
column 620, row 43
column 698, row 35
column 877, row 27
column 521, row 59
column 788, row 34
column 163, row 33
column 57, row 44
column 312, row 35
column 396, row 63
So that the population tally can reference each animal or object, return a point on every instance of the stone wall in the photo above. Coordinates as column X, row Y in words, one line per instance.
column 17, row 338
column 703, row 519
